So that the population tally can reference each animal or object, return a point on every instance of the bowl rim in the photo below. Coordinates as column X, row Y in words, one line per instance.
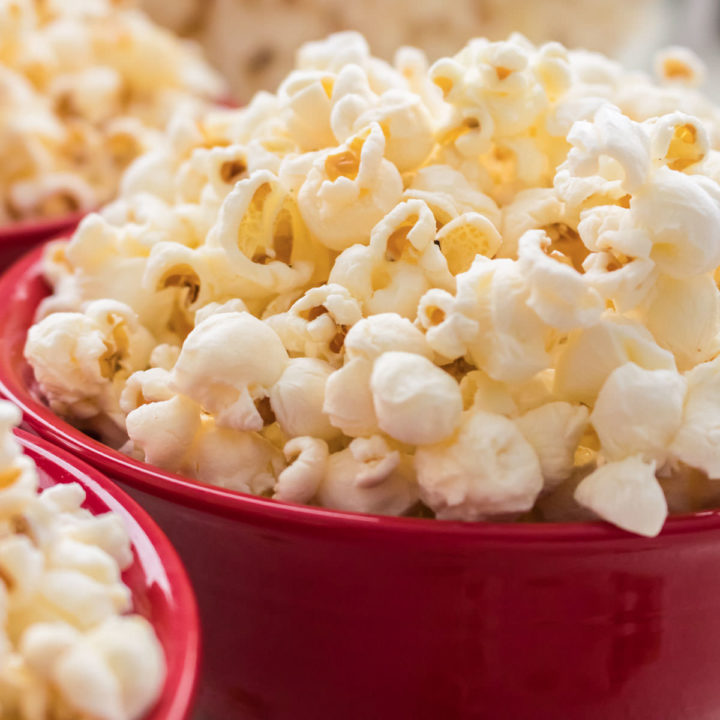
column 14, row 285
column 21, row 229
column 183, row 658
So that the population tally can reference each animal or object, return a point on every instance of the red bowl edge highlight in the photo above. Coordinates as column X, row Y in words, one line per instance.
column 23, row 287
column 160, row 587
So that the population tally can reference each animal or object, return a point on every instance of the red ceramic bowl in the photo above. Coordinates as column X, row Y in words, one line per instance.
column 312, row 614
column 160, row 588
column 18, row 238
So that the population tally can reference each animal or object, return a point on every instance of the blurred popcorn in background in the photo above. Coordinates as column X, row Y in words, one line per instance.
column 253, row 42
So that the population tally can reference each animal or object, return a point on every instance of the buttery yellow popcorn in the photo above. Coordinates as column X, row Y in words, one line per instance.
column 482, row 289
column 85, row 88
column 67, row 646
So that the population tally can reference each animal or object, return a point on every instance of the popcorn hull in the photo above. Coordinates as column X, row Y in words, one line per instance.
column 19, row 238
column 311, row 613
column 159, row 584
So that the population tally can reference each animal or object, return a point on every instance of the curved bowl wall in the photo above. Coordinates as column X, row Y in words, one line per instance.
column 160, row 587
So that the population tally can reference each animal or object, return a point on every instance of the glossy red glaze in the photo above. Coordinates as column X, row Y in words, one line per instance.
column 160, row 587
column 18, row 238
column 314, row 614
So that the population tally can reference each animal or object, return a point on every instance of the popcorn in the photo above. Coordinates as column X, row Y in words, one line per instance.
column 487, row 469
column 227, row 364
column 559, row 295
column 696, row 440
column 68, row 648
column 316, row 324
column 81, row 358
column 300, row 480
column 85, row 91
column 297, row 399
column 415, row 401
column 554, row 431
column 368, row 476
column 638, row 412
column 683, row 212
column 627, row 494
column 399, row 265
column 683, row 314
column 489, row 319
column 348, row 399
column 243, row 461
column 589, row 356
column 484, row 289
column 679, row 65
column 355, row 183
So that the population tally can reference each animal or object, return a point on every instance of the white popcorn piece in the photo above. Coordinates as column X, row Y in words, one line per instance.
column 348, row 403
column 588, row 357
column 260, row 235
column 638, row 412
column 297, row 399
column 415, row 401
column 355, row 183
column 229, row 361
column 681, row 213
column 376, row 334
column 489, row 320
column 487, row 469
column 242, row 461
column 164, row 430
column 398, row 266
column 559, row 294
column 696, row 442
column 554, row 431
column 300, row 480
column 683, row 314
column 610, row 138
column 348, row 399
column 317, row 323
column 112, row 672
column 466, row 236
column 681, row 65
column 625, row 493
column 78, row 358
column 679, row 140
column 370, row 477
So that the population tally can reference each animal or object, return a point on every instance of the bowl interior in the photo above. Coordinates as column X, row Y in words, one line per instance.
column 23, row 287
column 160, row 589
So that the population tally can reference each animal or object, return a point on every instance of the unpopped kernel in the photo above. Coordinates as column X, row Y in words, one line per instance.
column 485, row 289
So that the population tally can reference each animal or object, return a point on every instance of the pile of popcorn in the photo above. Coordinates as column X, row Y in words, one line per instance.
column 67, row 647
column 483, row 290
column 266, row 54
column 86, row 86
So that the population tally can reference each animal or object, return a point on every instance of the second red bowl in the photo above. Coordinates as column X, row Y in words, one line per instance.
column 159, row 584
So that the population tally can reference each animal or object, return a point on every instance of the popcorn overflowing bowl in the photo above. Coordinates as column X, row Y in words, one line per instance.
column 160, row 593
column 307, row 611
